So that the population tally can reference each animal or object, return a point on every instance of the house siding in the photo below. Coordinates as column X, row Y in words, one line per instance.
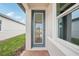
column 53, row 50
column 10, row 28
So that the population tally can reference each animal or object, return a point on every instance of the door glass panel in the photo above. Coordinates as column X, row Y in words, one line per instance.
column 38, row 28
column 38, row 33
column 38, row 18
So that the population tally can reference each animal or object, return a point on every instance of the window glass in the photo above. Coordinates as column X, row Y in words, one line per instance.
column 68, row 27
column 75, row 14
column 60, row 26
column 38, row 27
column 75, row 27
column 38, row 17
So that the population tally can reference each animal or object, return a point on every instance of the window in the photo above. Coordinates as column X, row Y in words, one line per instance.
column 64, row 27
column 0, row 25
column 68, row 27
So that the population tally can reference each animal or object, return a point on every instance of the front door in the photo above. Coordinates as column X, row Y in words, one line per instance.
column 38, row 28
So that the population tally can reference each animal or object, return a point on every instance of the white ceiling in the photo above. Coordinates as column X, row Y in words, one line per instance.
column 38, row 4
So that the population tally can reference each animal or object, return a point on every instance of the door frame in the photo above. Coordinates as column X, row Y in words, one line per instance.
column 32, row 12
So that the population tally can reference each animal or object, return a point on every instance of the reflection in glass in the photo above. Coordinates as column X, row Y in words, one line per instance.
column 38, row 33
column 38, row 28
column 60, row 27
column 38, row 18
column 75, row 27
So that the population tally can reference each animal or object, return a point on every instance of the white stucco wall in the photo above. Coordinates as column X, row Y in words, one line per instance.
column 10, row 28
column 75, row 29
column 49, row 21
column 28, row 29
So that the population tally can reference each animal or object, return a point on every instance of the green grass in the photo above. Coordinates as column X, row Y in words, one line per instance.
column 75, row 41
column 9, row 46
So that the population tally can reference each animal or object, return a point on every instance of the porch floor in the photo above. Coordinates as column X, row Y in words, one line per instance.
column 36, row 53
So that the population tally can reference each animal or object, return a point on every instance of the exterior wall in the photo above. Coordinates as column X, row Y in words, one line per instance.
column 28, row 26
column 75, row 29
column 49, row 21
column 50, row 29
column 28, row 29
column 51, row 33
column 54, row 45
column 10, row 28
column 53, row 49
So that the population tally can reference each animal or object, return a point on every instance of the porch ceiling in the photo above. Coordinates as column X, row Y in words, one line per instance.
column 37, row 4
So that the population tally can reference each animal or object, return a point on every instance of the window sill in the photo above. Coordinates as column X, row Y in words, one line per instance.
column 67, row 48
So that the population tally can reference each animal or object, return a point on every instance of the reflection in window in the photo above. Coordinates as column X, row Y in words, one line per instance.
column 60, row 26
column 68, row 27
column 75, row 27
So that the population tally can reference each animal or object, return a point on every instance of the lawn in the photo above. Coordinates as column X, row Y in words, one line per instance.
column 9, row 46
column 75, row 41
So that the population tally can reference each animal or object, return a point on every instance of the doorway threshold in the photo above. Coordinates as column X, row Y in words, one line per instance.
column 38, row 48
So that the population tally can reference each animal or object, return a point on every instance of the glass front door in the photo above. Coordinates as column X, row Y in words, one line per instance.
column 38, row 25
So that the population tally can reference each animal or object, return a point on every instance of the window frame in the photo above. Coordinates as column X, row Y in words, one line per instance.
column 68, row 11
